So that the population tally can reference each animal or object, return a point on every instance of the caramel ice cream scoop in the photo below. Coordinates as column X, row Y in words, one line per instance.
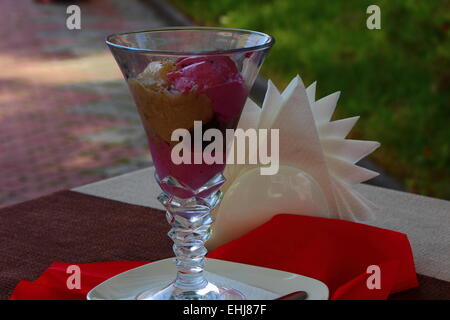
column 164, row 111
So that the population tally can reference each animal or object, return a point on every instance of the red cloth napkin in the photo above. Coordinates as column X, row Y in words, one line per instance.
column 336, row 252
column 52, row 283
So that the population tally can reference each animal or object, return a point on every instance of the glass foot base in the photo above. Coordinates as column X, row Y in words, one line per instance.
column 210, row 292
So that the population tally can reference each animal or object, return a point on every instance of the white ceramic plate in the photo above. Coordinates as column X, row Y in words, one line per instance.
column 127, row 285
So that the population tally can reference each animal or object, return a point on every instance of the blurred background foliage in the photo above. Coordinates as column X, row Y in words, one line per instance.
column 396, row 78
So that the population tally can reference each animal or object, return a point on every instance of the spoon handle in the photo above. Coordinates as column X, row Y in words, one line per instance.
column 297, row 295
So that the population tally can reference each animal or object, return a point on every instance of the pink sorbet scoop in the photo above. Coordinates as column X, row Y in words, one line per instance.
column 215, row 76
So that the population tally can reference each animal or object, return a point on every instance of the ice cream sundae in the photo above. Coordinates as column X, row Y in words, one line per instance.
column 173, row 94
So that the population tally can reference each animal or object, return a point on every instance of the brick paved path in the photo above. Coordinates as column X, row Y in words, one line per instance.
column 66, row 117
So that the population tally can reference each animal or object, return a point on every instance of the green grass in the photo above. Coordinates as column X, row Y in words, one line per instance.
column 396, row 78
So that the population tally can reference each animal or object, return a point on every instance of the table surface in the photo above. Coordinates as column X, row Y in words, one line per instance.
column 425, row 220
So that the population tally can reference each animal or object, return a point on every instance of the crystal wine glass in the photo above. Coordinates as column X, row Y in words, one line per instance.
column 189, row 79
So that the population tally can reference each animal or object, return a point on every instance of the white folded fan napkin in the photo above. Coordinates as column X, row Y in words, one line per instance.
column 317, row 165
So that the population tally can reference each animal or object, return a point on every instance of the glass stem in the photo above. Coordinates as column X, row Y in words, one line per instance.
column 191, row 221
column 189, row 233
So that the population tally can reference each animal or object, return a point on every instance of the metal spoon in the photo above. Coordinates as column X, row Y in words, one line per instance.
column 297, row 295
